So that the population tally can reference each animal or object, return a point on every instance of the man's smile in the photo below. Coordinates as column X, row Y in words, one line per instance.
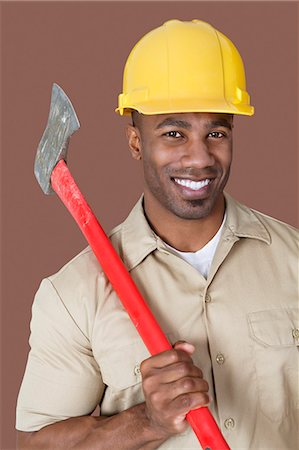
column 191, row 184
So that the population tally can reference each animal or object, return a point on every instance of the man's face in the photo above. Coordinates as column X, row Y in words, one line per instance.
column 186, row 160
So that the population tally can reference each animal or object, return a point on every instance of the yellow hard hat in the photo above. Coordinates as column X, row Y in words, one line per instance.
column 184, row 67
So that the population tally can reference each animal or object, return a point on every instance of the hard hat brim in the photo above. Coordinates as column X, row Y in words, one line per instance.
column 187, row 106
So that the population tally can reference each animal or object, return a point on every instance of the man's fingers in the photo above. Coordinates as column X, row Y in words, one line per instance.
column 165, row 359
column 189, row 385
column 173, row 372
column 178, row 391
column 184, row 403
column 185, row 346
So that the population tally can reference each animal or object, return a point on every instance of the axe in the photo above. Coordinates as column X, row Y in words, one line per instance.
column 53, row 176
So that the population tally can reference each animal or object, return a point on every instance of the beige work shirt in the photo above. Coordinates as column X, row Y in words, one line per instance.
column 243, row 321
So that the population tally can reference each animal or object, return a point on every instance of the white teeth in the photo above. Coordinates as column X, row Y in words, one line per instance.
column 194, row 185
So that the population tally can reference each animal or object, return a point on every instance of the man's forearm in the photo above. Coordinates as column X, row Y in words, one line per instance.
column 128, row 430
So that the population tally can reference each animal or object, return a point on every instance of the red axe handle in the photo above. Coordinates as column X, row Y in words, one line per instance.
column 63, row 184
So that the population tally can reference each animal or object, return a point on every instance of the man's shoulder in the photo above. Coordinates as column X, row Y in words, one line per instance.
column 82, row 266
column 84, row 269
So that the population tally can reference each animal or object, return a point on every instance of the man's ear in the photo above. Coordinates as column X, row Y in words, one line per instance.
column 134, row 141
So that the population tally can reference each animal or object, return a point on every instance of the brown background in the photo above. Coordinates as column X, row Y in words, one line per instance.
column 83, row 46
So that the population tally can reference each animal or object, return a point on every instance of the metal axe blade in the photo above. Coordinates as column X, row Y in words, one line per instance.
column 62, row 123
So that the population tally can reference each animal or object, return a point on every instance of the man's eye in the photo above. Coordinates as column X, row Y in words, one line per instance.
column 173, row 134
column 216, row 134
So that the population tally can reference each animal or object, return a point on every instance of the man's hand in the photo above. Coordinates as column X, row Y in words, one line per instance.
column 172, row 387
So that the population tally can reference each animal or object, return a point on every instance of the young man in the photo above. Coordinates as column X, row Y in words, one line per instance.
column 220, row 278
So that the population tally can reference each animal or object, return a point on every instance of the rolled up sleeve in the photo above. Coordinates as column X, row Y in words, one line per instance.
column 62, row 378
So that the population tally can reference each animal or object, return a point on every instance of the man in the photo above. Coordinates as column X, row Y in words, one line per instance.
column 221, row 279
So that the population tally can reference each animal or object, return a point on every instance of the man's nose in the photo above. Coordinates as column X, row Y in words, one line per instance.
column 197, row 154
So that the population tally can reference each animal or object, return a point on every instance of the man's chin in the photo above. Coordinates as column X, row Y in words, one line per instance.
column 192, row 210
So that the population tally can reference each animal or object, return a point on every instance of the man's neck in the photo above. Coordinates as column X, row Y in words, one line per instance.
column 182, row 234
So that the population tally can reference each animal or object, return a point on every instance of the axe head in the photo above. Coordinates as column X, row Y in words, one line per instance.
column 62, row 123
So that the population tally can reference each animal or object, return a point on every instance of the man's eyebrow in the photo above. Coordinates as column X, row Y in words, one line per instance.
column 175, row 123
column 219, row 123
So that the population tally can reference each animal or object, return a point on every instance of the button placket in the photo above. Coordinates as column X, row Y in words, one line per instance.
column 208, row 298
column 229, row 423
column 295, row 333
column 137, row 370
column 220, row 358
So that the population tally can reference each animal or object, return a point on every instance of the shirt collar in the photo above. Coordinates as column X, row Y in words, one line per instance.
column 138, row 239
column 243, row 222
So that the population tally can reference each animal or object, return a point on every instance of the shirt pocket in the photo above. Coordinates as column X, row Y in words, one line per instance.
column 275, row 338
column 120, row 369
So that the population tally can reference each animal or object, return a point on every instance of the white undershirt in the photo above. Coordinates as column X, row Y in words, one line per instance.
column 202, row 259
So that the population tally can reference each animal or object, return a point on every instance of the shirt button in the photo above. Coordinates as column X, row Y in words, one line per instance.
column 295, row 333
column 220, row 358
column 229, row 423
column 137, row 370
column 208, row 298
